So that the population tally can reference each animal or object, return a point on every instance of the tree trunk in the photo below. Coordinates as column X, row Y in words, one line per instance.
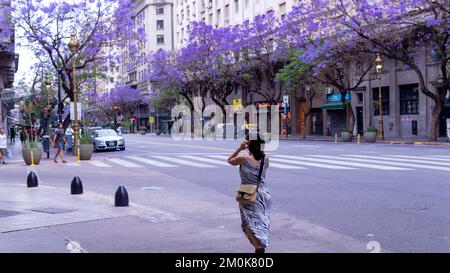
column 435, row 120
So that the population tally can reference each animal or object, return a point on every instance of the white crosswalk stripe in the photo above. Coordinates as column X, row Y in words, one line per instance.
column 336, row 160
column 378, row 160
column 421, row 158
column 207, row 160
column 151, row 162
column 183, row 162
column 272, row 164
column 309, row 164
column 443, row 156
column 407, row 160
column 124, row 163
column 98, row 163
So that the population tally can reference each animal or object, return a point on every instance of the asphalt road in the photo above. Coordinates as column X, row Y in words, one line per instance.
column 396, row 195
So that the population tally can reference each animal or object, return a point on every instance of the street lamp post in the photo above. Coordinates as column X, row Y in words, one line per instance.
column 46, row 137
column 73, row 46
column 379, row 67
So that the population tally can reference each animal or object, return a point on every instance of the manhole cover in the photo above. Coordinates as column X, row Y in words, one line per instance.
column 53, row 210
column 151, row 188
column 7, row 213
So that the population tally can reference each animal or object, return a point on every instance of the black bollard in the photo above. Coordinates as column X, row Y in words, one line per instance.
column 121, row 199
column 32, row 180
column 76, row 187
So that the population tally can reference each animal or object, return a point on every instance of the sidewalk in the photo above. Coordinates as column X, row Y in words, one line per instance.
column 410, row 141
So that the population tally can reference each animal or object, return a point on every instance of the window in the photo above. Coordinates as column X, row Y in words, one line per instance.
column 384, row 101
column 282, row 10
column 160, row 39
column 160, row 24
column 160, row 9
column 359, row 96
column 409, row 99
column 236, row 6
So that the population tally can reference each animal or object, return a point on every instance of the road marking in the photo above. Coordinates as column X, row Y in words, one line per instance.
column 212, row 161
column 187, row 146
column 306, row 146
column 124, row 163
column 98, row 163
column 272, row 164
column 373, row 159
column 73, row 164
column 183, row 162
column 336, row 160
column 402, row 160
column 310, row 164
column 444, row 156
column 151, row 162
column 421, row 157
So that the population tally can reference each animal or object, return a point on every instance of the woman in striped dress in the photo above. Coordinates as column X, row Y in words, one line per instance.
column 255, row 217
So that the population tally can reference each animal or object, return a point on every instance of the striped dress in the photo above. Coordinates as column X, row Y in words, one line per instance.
column 256, row 216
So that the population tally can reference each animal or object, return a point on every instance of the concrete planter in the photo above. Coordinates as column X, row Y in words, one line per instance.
column 346, row 136
column 370, row 137
column 37, row 155
column 86, row 151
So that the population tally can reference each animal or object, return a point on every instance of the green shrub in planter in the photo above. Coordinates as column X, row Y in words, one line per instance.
column 370, row 136
column 31, row 148
column 86, row 148
column 347, row 135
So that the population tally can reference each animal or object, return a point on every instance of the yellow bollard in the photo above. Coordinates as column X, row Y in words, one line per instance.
column 78, row 154
column 335, row 138
column 32, row 158
column 359, row 139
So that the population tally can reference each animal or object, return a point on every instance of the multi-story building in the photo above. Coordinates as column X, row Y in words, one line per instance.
column 221, row 13
column 8, row 63
column 155, row 17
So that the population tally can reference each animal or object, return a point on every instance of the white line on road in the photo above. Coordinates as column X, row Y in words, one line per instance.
column 212, row 161
column 421, row 157
column 183, row 162
column 151, row 162
column 407, row 160
column 98, row 163
column 310, row 164
column 373, row 159
column 337, row 160
column 124, row 163
column 272, row 164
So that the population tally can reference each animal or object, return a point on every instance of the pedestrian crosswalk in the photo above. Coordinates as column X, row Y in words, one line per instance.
column 344, row 162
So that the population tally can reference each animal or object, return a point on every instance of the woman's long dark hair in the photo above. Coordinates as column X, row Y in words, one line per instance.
column 255, row 148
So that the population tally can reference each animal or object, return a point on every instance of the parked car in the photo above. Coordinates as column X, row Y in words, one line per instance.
column 107, row 139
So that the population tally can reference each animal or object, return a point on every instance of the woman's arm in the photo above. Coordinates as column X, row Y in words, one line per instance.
column 235, row 159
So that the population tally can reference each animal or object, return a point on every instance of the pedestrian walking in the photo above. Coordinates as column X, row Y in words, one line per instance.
column 3, row 146
column 59, row 140
column 253, row 195
column 12, row 135
column 23, row 135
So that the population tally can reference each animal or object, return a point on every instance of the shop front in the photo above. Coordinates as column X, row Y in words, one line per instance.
column 335, row 114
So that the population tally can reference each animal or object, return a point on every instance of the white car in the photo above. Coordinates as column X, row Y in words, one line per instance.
column 107, row 139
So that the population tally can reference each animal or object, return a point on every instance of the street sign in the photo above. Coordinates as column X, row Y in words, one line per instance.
column 72, row 111
column 151, row 120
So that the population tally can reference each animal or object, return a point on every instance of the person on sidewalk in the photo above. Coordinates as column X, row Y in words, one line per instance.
column 255, row 217
column 3, row 146
column 12, row 135
column 59, row 141
column 23, row 135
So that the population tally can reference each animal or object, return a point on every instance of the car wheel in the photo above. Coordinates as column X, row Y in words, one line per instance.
column 95, row 148
column 122, row 149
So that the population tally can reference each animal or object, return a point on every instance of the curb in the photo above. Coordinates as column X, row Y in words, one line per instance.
column 418, row 143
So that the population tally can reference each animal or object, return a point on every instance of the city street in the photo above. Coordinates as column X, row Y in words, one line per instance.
column 327, row 197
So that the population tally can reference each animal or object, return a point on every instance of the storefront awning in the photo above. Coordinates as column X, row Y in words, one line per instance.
column 333, row 106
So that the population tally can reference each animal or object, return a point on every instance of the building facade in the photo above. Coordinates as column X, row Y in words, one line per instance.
column 8, row 64
column 155, row 18
column 221, row 13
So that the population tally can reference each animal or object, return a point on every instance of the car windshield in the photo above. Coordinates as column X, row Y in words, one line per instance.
column 105, row 133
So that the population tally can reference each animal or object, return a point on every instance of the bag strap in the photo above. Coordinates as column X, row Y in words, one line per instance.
column 261, row 167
